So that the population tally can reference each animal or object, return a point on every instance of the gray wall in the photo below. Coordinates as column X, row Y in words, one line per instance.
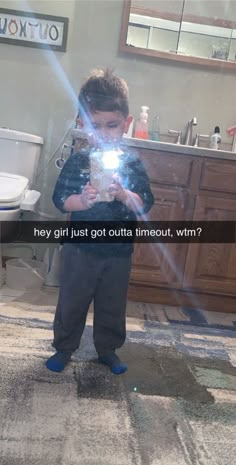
column 38, row 88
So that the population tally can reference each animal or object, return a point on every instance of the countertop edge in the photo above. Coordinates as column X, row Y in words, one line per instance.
column 179, row 149
column 168, row 147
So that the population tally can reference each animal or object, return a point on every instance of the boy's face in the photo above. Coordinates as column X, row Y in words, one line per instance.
column 106, row 127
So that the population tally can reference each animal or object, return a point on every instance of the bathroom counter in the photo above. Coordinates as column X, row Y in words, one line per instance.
column 168, row 147
column 189, row 184
column 178, row 148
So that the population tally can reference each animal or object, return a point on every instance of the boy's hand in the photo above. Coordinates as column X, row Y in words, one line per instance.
column 130, row 199
column 89, row 196
column 117, row 191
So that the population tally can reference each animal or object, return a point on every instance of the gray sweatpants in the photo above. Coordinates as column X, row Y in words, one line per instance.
column 87, row 277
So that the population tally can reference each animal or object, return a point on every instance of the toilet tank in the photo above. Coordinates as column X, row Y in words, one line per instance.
column 19, row 153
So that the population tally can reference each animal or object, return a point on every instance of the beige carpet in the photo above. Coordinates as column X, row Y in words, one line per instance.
column 175, row 406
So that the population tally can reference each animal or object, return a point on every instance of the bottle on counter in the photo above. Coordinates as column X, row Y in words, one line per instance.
column 156, row 128
column 232, row 132
column 215, row 139
column 141, row 126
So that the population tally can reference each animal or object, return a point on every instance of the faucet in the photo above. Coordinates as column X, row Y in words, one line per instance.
column 188, row 140
column 198, row 137
column 178, row 133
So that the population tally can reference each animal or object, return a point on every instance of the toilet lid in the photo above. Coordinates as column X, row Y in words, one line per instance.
column 12, row 188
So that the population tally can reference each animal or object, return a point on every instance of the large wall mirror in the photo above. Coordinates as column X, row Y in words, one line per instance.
column 193, row 31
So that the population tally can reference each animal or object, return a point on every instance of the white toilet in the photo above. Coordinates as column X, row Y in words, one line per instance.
column 19, row 156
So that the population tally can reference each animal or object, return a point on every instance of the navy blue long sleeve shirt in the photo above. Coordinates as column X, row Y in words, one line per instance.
column 75, row 175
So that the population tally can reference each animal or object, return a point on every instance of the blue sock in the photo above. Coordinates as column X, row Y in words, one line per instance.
column 114, row 363
column 58, row 361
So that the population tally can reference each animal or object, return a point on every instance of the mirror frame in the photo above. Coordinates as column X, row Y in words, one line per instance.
column 124, row 48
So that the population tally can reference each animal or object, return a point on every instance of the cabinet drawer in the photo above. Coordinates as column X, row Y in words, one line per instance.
column 167, row 169
column 219, row 176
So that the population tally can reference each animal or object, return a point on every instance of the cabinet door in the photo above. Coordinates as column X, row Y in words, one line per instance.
column 212, row 267
column 156, row 262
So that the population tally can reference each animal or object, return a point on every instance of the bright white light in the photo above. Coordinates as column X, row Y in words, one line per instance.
column 110, row 159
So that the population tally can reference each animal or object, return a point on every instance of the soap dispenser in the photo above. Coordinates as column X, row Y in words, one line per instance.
column 141, row 126
column 215, row 139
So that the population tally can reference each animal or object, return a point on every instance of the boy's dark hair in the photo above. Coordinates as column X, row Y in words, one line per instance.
column 103, row 91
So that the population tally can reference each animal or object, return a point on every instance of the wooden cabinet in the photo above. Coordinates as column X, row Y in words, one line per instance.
column 156, row 262
column 218, row 176
column 212, row 267
column 194, row 274
column 167, row 169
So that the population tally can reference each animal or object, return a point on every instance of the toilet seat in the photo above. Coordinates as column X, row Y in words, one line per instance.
column 12, row 190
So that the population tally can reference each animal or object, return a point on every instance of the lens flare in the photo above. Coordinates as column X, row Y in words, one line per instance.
column 110, row 159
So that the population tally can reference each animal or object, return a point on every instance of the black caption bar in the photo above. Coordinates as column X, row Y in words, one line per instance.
column 94, row 231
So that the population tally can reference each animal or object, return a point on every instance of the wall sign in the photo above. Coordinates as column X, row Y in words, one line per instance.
column 33, row 29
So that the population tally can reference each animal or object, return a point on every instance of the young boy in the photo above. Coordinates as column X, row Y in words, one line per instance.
column 98, row 272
